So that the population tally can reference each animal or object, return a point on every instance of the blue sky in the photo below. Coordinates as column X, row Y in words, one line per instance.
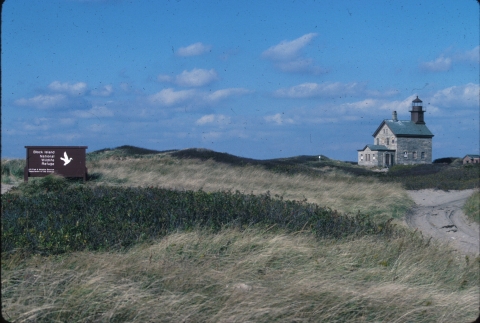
column 258, row 79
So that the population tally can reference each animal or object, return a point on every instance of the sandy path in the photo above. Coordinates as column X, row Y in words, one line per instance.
column 439, row 214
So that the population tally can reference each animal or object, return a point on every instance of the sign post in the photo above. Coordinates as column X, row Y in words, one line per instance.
column 67, row 161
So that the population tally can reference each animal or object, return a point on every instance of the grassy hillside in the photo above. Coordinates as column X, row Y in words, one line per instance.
column 199, row 236
column 321, row 183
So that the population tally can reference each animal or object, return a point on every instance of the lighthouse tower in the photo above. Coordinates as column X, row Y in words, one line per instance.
column 417, row 111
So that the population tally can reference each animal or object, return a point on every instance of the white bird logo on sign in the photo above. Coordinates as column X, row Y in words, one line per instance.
column 65, row 159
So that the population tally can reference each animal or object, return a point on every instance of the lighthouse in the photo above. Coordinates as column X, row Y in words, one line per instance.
column 417, row 111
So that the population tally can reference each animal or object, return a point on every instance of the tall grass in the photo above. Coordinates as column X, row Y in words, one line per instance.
column 12, row 170
column 472, row 207
column 337, row 190
column 246, row 276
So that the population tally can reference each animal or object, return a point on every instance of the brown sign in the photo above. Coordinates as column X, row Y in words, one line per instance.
column 67, row 161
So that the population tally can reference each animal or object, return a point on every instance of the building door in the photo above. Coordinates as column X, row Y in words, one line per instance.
column 387, row 160
column 392, row 159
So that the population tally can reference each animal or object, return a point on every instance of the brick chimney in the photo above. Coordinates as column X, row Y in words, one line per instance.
column 394, row 116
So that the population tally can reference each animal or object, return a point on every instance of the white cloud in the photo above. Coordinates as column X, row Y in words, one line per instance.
column 193, row 50
column 212, row 118
column 71, row 89
column 401, row 106
column 472, row 55
column 387, row 93
column 287, row 56
column 225, row 93
column 196, row 77
column 288, row 50
column 295, row 66
column 371, row 106
column 444, row 63
column 328, row 89
column 457, row 96
column 206, row 119
column 44, row 101
column 169, row 97
column 279, row 119
column 107, row 90
column 323, row 120
column 366, row 104
column 94, row 112
column 441, row 64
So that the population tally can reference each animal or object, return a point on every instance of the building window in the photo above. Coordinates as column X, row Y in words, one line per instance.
column 414, row 155
column 378, row 141
column 388, row 142
column 361, row 157
column 405, row 154
column 393, row 141
column 373, row 156
column 422, row 155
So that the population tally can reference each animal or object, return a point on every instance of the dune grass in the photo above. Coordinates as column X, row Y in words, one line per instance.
column 246, row 276
column 335, row 189
column 12, row 171
column 472, row 207
column 251, row 275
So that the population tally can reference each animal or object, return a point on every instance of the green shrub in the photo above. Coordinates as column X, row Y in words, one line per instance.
column 111, row 217
column 51, row 183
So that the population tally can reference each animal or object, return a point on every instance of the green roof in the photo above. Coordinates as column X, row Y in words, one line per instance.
column 406, row 128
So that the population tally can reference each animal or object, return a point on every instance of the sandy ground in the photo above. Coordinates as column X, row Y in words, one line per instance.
column 438, row 214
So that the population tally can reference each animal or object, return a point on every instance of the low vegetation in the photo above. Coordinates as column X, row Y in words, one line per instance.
column 328, row 187
column 472, row 207
column 199, row 236
column 453, row 176
column 63, row 219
